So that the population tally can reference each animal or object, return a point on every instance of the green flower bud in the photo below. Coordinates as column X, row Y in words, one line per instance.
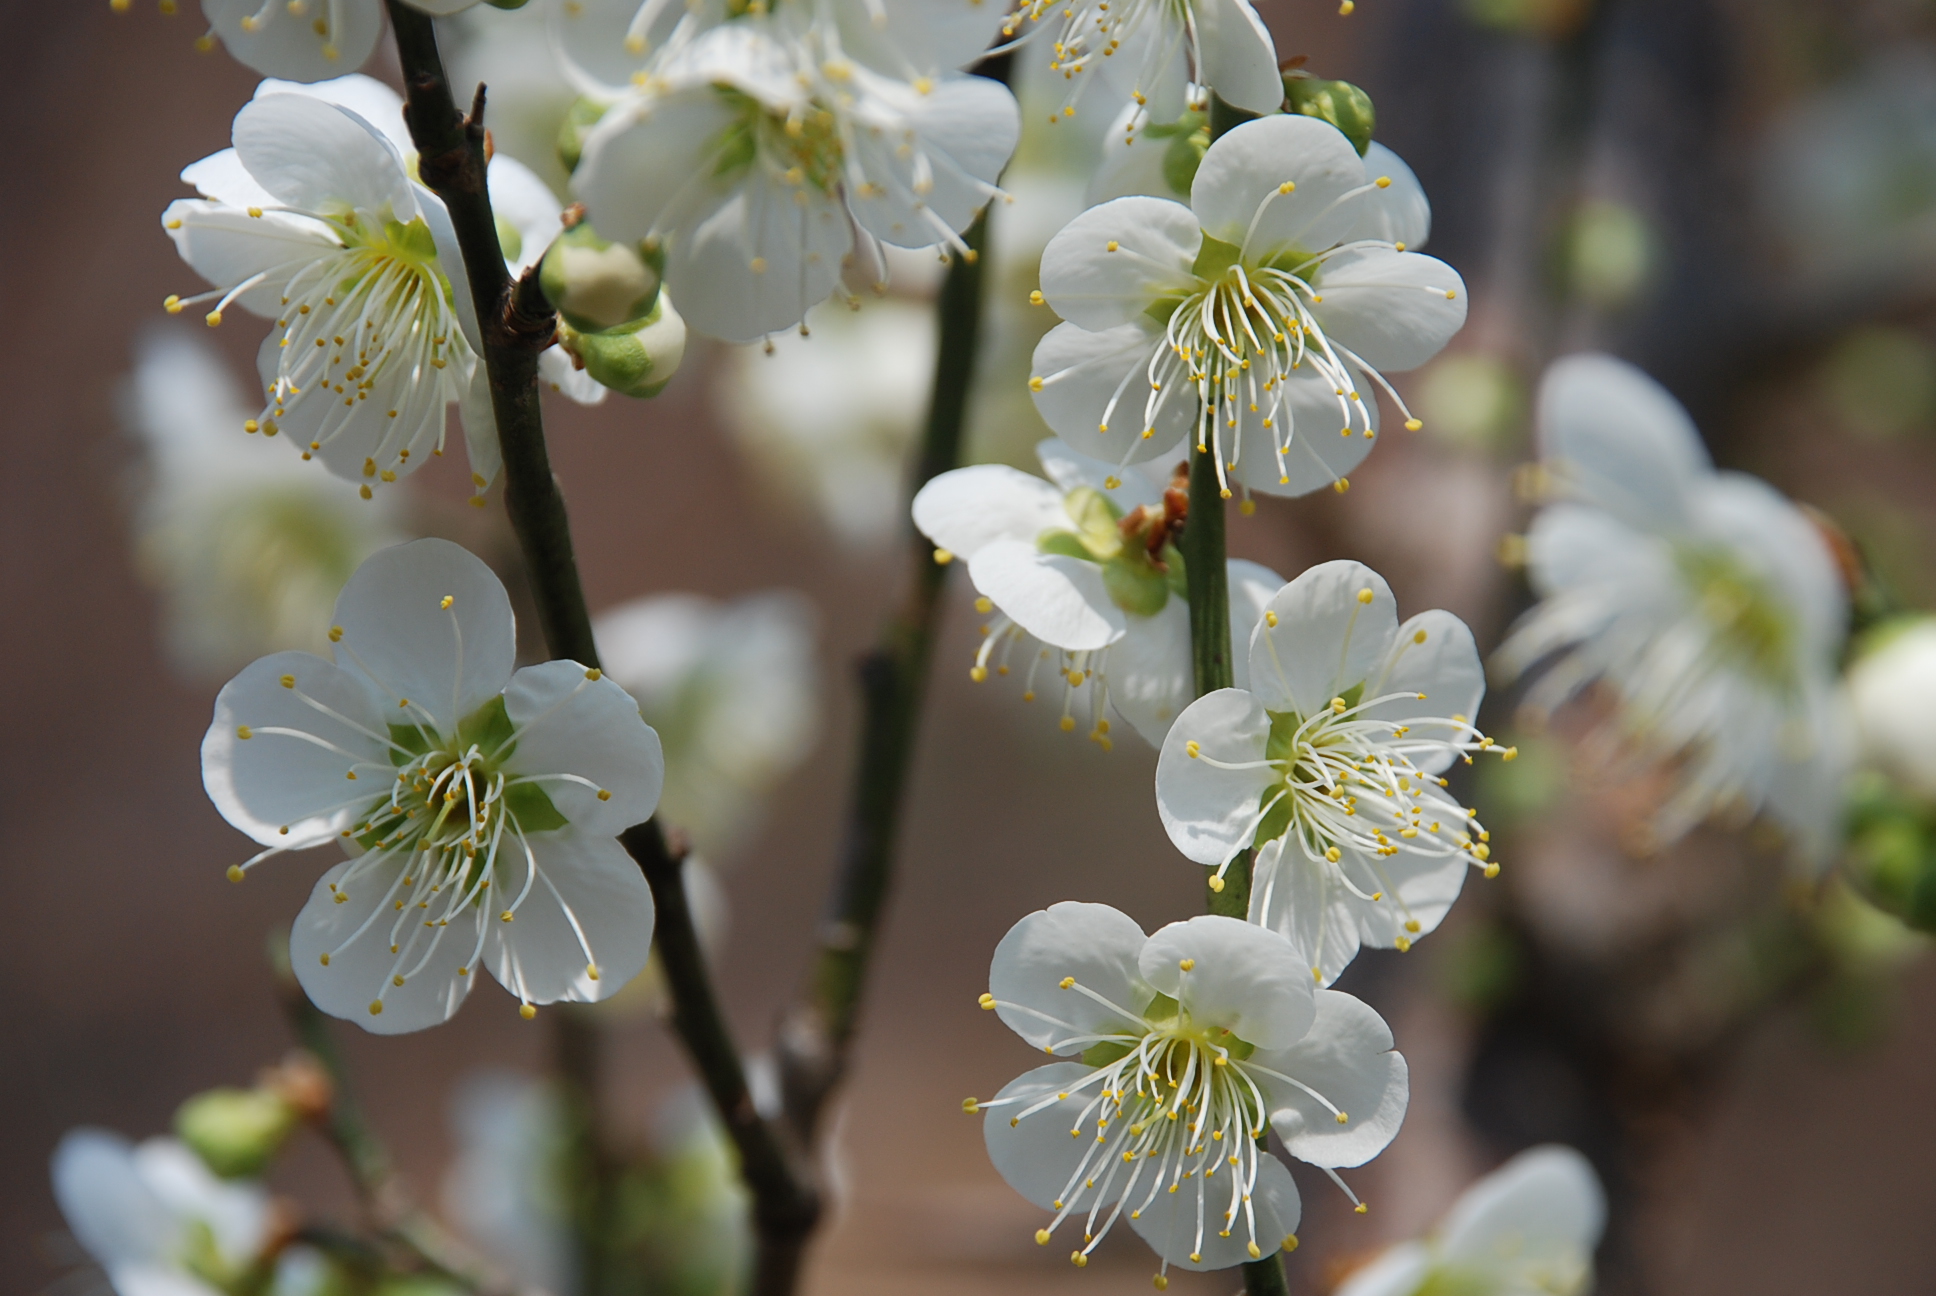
column 637, row 358
column 579, row 120
column 1339, row 102
column 506, row 4
column 235, row 1131
column 598, row 285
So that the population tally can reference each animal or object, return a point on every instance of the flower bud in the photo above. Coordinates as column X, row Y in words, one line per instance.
column 579, row 120
column 1339, row 102
column 235, row 1131
column 1893, row 689
column 599, row 285
column 636, row 358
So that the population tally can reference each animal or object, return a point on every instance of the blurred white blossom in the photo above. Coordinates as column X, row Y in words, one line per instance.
column 1711, row 606
column 1893, row 687
column 306, row 40
column 245, row 545
column 732, row 690
column 1527, row 1229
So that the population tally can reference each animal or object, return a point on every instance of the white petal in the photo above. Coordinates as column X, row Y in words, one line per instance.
column 557, row 371
column 450, row 255
column 311, row 154
column 1433, row 654
column 399, row 634
column 1615, row 437
column 1094, row 944
column 222, row 177
column 758, row 262
column 1425, row 885
column 649, row 155
column 111, row 1211
column 157, row 1280
column 481, row 445
column 1211, row 813
column 1037, row 1157
column 967, row 508
column 270, row 782
column 365, row 96
column 1783, row 546
column 1170, row 1222
column 1323, row 437
column 1109, row 264
column 932, row 156
column 1132, row 163
column 226, row 246
column 589, row 907
column 568, row 724
column 236, row 1214
column 1249, row 981
column 287, row 45
column 1149, row 671
column 1251, row 586
column 1328, row 637
column 1295, row 894
column 521, row 198
column 1142, row 484
column 1238, row 195
column 1400, row 1271
column 1059, row 600
column 1239, row 57
column 1545, row 1201
column 1347, row 1057
column 363, row 968
column 1095, row 392
column 1395, row 310
column 1398, row 213
column 921, row 38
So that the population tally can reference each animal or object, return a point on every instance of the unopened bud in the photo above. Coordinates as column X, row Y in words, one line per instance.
column 635, row 359
column 579, row 120
column 235, row 1131
column 1339, row 102
column 598, row 285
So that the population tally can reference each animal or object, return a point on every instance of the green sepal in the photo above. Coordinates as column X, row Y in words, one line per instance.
column 635, row 359
column 532, row 809
column 489, row 728
column 1213, row 258
column 1338, row 102
column 1066, row 544
column 583, row 114
column 414, row 239
column 236, row 1132
column 1134, row 584
column 1101, row 1055
column 1223, row 1038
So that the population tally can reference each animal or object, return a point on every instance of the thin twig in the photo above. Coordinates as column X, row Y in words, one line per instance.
column 516, row 325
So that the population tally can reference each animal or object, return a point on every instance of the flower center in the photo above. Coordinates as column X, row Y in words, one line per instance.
column 1141, row 567
column 802, row 148
column 1749, row 624
column 322, row 24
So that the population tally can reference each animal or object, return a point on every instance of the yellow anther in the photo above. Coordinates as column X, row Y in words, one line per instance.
column 1187, row 964
column 1192, row 749
column 1067, row 983
column 244, row 732
column 1491, row 870
column 527, row 1011
column 1247, row 507
column 1511, row 753
column 1035, row 297
column 1215, row 883
column 970, row 1105
column 235, row 873
column 350, row 775
column 1413, row 425
column 757, row 265
column 376, row 1007
column 1402, row 944
column 325, row 960
column 1341, row 485
column 943, row 557
column 984, row 606
column 213, row 319
column 1363, row 1208
column 1068, row 724
column 1270, row 619
column 506, row 916
column 336, row 634
column 1287, row 187
column 1383, row 182
column 1289, row 1243
column 987, row 1001
column 1365, row 595
column 1042, row 1236
column 1162, row 1283
column 172, row 304
column 1254, row 1252
column 1317, row 975
column 978, row 673
column 1111, row 246
column 1035, row 384
column 1078, row 1259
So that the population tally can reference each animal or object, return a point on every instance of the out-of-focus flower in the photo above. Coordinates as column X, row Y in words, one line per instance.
column 488, row 796
column 1151, row 52
column 1527, row 1229
column 246, row 546
column 1893, row 688
column 1249, row 320
column 531, row 96
column 1081, row 570
column 1608, row 252
column 306, row 40
column 774, row 154
column 1710, row 604
column 156, row 1219
column 732, row 690
column 1473, row 400
column 1192, row 1043
column 832, row 414
column 1330, row 767
column 682, row 1227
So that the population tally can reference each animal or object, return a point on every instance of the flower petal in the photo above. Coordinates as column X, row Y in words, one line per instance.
column 1400, row 1271
column 1614, row 436
column 527, row 203
column 312, row 154
column 112, row 1212
column 1546, row 1201
column 1036, row 1156
column 1398, row 213
column 1335, row 623
column 1173, row 1222
column 236, row 1213
column 285, row 44
column 1347, row 1057
column 1322, row 435
column 1249, row 981
column 1149, row 673
column 557, row 371
column 1239, row 58
column 585, row 928
column 1238, row 192
column 570, row 724
column 1096, row 395
column 370, row 942
column 1432, row 654
column 1109, row 264
column 377, row 104
column 1425, row 885
column 222, row 177
column 967, row 508
column 933, row 159
column 284, row 788
column 1211, row 813
column 1092, row 943
column 1060, row 600
column 1782, row 545
column 1069, row 470
column 758, row 262
column 429, row 622
column 1251, row 587
column 481, row 446
column 1295, row 895
column 1394, row 310
column 226, row 246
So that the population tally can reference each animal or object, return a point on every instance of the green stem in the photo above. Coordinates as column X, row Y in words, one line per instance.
column 820, row 1028
column 517, row 323
column 1206, row 559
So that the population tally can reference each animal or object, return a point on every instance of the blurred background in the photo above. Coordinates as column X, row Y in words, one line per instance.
column 1737, row 195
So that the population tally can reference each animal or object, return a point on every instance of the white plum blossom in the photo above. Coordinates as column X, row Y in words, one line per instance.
column 155, row 1218
column 1330, row 766
column 1893, row 690
column 732, row 690
column 479, row 805
column 246, row 546
column 1185, row 1047
column 1710, row 605
column 1156, row 54
column 1527, row 1229
column 775, row 153
column 306, row 40
column 1080, row 570
column 1250, row 321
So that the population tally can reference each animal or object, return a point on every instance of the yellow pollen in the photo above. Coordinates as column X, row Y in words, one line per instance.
column 244, row 732
column 987, row 1001
column 1287, row 187
column 235, row 873
column 1270, row 619
column 943, row 557
column 527, row 1011
column 376, row 1007
column 1186, row 965
column 1035, row 297
column 1068, row 724
column 448, row 599
column 325, row 960
column 1364, row 596
column 978, row 673
column 1290, row 1242
column 1112, row 246
column 1383, row 182
column 1042, row 1237
column 1413, row 425
column 1215, row 883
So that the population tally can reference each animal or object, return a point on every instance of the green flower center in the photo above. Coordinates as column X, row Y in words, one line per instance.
column 1751, row 626
column 1139, row 581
